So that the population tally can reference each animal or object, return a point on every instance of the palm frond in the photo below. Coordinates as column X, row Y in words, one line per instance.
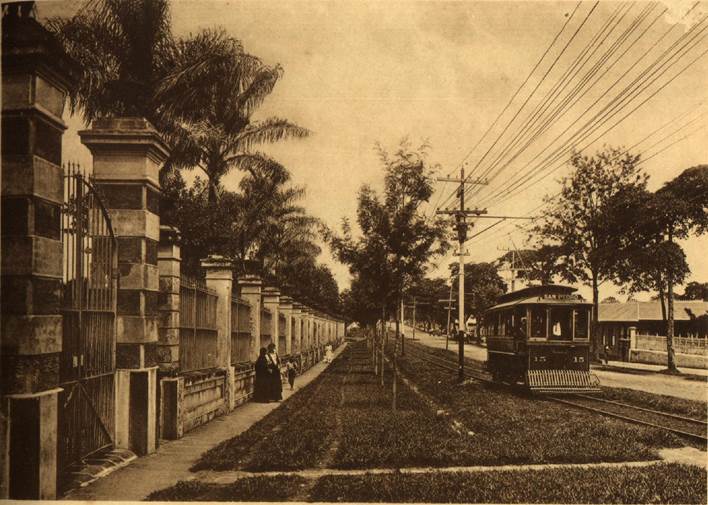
column 268, row 131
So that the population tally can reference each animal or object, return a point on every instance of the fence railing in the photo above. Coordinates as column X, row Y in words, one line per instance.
column 683, row 345
column 240, row 331
column 266, row 327
column 197, row 325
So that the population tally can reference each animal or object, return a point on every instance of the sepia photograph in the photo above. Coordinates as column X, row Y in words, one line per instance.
column 357, row 251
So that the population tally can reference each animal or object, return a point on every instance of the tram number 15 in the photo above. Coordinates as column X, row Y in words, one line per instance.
column 539, row 359
column 578, row 359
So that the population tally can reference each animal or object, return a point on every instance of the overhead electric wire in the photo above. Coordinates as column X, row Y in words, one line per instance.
column 562, row 82
column 563, row 108
column 543, row 78
column 612, row 108
column 511, row 100
column 641, row 161
column 634, row 65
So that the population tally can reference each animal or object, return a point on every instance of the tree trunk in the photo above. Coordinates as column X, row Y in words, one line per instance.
column 671, row 358
column 662, row 300
column 383, row 341
column 594, row 325
column 393, row 358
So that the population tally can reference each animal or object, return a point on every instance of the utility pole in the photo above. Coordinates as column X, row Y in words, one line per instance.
column 413, row 336
column 461, row 226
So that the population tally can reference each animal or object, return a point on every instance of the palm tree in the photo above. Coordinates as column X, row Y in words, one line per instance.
column 221, row 129
column 134, row 66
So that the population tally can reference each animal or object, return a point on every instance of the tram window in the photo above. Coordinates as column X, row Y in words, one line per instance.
column 520, row 322
column 538, row 322
column 561, row 323
column 581, row 323
column 508, row 320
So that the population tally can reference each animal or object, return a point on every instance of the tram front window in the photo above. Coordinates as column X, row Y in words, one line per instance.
column 560, row 327
column 538, row 322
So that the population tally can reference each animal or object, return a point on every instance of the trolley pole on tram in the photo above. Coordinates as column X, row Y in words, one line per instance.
column 461, row 226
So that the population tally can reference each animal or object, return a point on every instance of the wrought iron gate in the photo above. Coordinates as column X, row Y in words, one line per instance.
column 87, row 363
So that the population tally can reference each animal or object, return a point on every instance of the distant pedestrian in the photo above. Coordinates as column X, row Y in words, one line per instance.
column 292, row 373
column 328, row 354
column 275, row 381
column 606, row 354
column 261, row 387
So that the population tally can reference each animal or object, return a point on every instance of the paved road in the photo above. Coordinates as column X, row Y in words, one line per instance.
column 630, row 376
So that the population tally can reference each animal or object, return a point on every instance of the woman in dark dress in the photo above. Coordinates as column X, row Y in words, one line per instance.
column 261, row 388
column 276, row 384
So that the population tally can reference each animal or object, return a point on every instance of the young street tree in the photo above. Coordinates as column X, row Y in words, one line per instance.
column 396, row 241
column 574, row 223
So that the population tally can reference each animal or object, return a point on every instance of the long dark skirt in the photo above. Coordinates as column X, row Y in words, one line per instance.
column 276, row 385
column 261, row 386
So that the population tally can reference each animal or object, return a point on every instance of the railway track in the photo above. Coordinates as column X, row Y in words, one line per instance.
column 695, row 429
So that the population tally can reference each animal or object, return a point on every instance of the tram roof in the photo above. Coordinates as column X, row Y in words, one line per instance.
column 555, row 294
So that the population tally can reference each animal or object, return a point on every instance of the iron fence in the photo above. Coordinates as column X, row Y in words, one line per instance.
column 240, row 331
column 197, row 326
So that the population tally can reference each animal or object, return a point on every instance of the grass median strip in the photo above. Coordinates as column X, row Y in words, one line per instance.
column 513, row 428
column 663, row 483
column 655, row 483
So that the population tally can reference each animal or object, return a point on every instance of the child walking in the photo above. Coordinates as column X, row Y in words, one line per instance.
column 291, row 369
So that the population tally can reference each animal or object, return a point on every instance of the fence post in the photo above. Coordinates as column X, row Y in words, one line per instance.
column 286, row 307
column 249, row 286
column 169, row 263
column 271, row 301
column 296, row 315
column 127, row 156
column 32, row 195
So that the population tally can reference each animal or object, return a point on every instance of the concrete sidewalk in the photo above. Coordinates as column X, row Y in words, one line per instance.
column 173, row 458
column 649, row 368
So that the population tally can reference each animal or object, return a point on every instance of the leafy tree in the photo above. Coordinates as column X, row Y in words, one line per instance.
column 483, row 285
column 575, row 224
column 538, row 265
column 396, row 241
column 610, row 299
column 650, row 256
column 695, row 291
column 427, row 292
column 683, row 202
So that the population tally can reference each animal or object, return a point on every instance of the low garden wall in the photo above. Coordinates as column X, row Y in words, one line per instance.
column 659, row 358
column 205, row 397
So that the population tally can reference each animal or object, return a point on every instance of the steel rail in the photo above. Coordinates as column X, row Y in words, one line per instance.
column 696, row 436
column 651, row 411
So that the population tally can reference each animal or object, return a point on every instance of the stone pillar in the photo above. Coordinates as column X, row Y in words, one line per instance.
column 297, row 333
column 127, row 156
column 219, row 277
column 286, row 307
column 168, row 263
column 250, row 290
column 36, row 78
column 271, row 301
column 305, row 328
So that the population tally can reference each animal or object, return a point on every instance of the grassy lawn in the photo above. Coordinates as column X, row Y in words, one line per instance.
column 343, row 419
column 664, row 483
column 512, row 428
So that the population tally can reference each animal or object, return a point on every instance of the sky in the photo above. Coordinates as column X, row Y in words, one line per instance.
column 361, row 72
